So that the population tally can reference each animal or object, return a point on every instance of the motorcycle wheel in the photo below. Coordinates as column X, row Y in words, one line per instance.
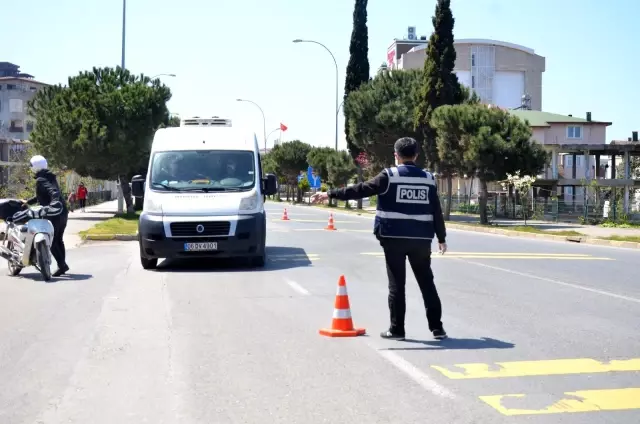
column 14, row 269
column 44, row 261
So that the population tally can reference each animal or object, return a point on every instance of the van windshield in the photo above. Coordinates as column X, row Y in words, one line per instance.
column 203, row 170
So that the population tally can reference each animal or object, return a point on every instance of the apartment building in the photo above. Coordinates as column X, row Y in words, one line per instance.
column 16, row 90
column 500, row 73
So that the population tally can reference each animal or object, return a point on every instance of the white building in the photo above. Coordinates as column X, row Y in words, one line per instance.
column 500, row 73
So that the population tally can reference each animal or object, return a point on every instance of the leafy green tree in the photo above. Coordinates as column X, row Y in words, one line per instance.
column 173, row 121
column 440, row 85
column 101, row 124
column 318, row 158
column 381, row 111
column 447, row 122
column 340, row 168
column 495, row 144
column 291, row 158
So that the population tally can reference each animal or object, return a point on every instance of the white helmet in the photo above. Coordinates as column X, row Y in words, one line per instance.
column 38, row 163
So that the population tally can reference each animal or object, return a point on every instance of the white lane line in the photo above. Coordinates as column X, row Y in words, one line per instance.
column 297, row 287
column 550, row 280
column 415, row 374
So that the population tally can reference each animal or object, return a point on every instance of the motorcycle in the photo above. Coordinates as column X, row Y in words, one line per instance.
column 26, row 242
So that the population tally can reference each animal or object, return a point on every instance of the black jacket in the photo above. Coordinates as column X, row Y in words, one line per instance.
column 378, row 185
column 48, row 193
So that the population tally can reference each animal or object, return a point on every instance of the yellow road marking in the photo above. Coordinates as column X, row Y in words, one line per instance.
column 588, row 401
column 479, row 255
column 538, row 368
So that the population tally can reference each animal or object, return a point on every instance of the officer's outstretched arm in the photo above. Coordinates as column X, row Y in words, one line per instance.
column 372, row 187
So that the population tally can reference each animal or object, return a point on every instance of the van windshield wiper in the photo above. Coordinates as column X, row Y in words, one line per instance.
column 208, row 189
column 166, row 187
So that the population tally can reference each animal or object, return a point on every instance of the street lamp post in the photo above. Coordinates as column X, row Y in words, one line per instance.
column 264, row 121
column 336, row 63
column 124, row 22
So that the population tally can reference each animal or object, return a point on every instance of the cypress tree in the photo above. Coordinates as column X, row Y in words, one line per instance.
column 440, row 85
column 358, row 66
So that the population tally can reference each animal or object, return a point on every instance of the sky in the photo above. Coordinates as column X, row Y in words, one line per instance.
column 223, row 50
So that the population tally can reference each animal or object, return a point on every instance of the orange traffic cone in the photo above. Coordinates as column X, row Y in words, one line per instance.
column 342, row 324
column 285, row 217
column 330, row 226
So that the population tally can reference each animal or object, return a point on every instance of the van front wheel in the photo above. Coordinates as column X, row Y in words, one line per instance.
column 259, row 261
column 147, row 263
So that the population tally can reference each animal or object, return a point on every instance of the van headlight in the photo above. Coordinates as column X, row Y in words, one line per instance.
column 249, row 203
column 151, row 207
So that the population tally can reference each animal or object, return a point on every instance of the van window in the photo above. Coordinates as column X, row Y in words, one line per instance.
column 203, row 170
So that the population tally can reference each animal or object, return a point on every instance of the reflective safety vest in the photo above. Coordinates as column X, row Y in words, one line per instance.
column 406, row 210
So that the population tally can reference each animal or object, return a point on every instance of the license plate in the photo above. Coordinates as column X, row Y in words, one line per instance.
column 200, row 247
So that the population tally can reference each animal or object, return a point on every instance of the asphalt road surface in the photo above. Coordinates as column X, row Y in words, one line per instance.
column 540, row 332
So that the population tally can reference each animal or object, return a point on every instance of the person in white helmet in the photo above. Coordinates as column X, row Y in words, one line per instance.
column 48, row 195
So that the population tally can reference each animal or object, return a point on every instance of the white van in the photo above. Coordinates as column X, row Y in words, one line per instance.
column 203, row 194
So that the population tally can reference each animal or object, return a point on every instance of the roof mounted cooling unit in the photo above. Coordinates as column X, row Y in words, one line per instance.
column 205, row 122
column 411, row 33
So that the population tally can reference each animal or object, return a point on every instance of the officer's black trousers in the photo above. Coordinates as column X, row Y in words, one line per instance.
column 396, row 251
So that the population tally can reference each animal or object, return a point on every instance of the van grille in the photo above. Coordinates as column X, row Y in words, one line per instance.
column 189, row 229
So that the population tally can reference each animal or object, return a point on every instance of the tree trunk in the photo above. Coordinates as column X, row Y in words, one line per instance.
column 126, row 194
column 482, row 200
column 447, row 207
column 360, row 179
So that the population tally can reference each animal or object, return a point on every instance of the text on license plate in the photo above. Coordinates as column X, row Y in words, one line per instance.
column 200, row 247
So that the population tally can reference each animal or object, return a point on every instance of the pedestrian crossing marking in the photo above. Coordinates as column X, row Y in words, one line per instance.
column 343, row 230
column 510, row 255
column 316, row 220
column 538, row 368
column 309, row 257
column 587, row 401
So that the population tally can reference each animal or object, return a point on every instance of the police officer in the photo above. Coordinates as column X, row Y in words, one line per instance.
column 408, row 217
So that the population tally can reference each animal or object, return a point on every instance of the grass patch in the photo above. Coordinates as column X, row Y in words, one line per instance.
column 125, row 224
column 634, row 239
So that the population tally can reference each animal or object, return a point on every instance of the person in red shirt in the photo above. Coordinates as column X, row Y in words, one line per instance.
column 81, row 195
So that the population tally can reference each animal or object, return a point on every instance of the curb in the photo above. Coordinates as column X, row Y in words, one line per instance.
column 110, row 237
column 500, row 231
column 572, row 239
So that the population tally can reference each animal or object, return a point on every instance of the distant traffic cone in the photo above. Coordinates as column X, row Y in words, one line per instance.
column 342, row 324
column 285, row 217
column 330, row 226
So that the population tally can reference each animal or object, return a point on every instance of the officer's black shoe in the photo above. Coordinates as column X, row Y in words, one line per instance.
column 439, row 334
column 391, row 336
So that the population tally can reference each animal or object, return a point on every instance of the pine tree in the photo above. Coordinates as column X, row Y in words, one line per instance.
column 358, row 66
column 440, row 85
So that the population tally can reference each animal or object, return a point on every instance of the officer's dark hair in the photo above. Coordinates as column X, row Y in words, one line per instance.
column 406, row 147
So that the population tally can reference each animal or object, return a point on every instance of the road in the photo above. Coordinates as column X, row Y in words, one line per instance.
column 218, row 343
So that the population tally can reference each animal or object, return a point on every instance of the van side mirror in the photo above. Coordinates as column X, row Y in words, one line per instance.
column 270, row 185
column 137, row 186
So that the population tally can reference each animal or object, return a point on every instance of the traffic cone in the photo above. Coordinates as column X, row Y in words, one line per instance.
column 285, row 217
column 342, row 324
column 330, row 226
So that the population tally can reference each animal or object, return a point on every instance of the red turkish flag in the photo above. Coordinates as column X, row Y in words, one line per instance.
column 283, row 127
